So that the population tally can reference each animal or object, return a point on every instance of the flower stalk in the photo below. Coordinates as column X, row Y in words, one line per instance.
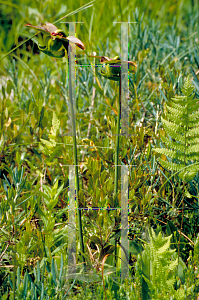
column 75, row 160
column 117, row 147
column 113, row 71
column 54, row 42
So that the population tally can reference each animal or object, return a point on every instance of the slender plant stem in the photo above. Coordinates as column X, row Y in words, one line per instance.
column 117, row 149
column 182, row 201
column 180, row 232
column 75, row 161
column 15, row 263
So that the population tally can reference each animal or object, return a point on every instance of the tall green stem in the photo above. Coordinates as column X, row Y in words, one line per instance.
column 15, row 263
column 117, row 149
column 75, row 161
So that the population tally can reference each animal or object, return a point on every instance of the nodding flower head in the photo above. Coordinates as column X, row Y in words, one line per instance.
column 53, row 41
column 112, row 69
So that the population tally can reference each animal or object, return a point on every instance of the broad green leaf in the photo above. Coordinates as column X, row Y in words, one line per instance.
column 135, row 248
column 95, row 240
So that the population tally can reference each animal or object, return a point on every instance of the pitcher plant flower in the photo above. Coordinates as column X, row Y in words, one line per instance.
column 113, row 67
column 53, row 41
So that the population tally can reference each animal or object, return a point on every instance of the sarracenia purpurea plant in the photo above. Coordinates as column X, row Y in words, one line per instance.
column 113, row 72
column 55, row 42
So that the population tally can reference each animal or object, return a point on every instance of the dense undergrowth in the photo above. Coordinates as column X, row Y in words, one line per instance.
column 161, row 152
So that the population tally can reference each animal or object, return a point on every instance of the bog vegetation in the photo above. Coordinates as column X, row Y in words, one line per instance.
column 60, row 136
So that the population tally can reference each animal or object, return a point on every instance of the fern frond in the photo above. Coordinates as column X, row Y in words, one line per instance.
column 182, row 120
column 48, row 146
column 170, row 283
column 176, row 105
column 194, row 106
column 182, row 99
column 187, row 176
column 170, row 166
column 162, row 266
column 174, row 111
column 55, row 126
column 173, row 265
column 179, row 99
column 188, row 88
column 193, row 132
column 164, row 248
column 190, row 158
column 192, row 148
column 175, row 135
column 181, row 124
column 194, row 116
column 175, row 154
column 172, row 144
column 168, row 152
column 192, row 140
column 171, row 125
column 190, row 110
column 193, row 167
column 180, row 293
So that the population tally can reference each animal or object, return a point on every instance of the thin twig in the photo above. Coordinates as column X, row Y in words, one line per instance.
column 2, row 254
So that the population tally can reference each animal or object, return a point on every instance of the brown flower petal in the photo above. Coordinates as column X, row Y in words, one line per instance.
column 76, row 41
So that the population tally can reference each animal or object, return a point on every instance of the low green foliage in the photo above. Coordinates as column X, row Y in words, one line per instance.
column 36, row 149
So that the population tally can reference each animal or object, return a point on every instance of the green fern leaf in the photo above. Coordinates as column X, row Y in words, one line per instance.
column 174, row 132
column 171, row 125
column 173, row 111
column 166, row 245
column 170, row 283
column 192, row 148
column 187, row 176
column 48, row 146
column 194, row 116
column 167, row 152
column 181, row 125
column 161, row 276
column 193, row 132
column 173, row 264
column 171, row 166
column 172, row 144
column 55, row 126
